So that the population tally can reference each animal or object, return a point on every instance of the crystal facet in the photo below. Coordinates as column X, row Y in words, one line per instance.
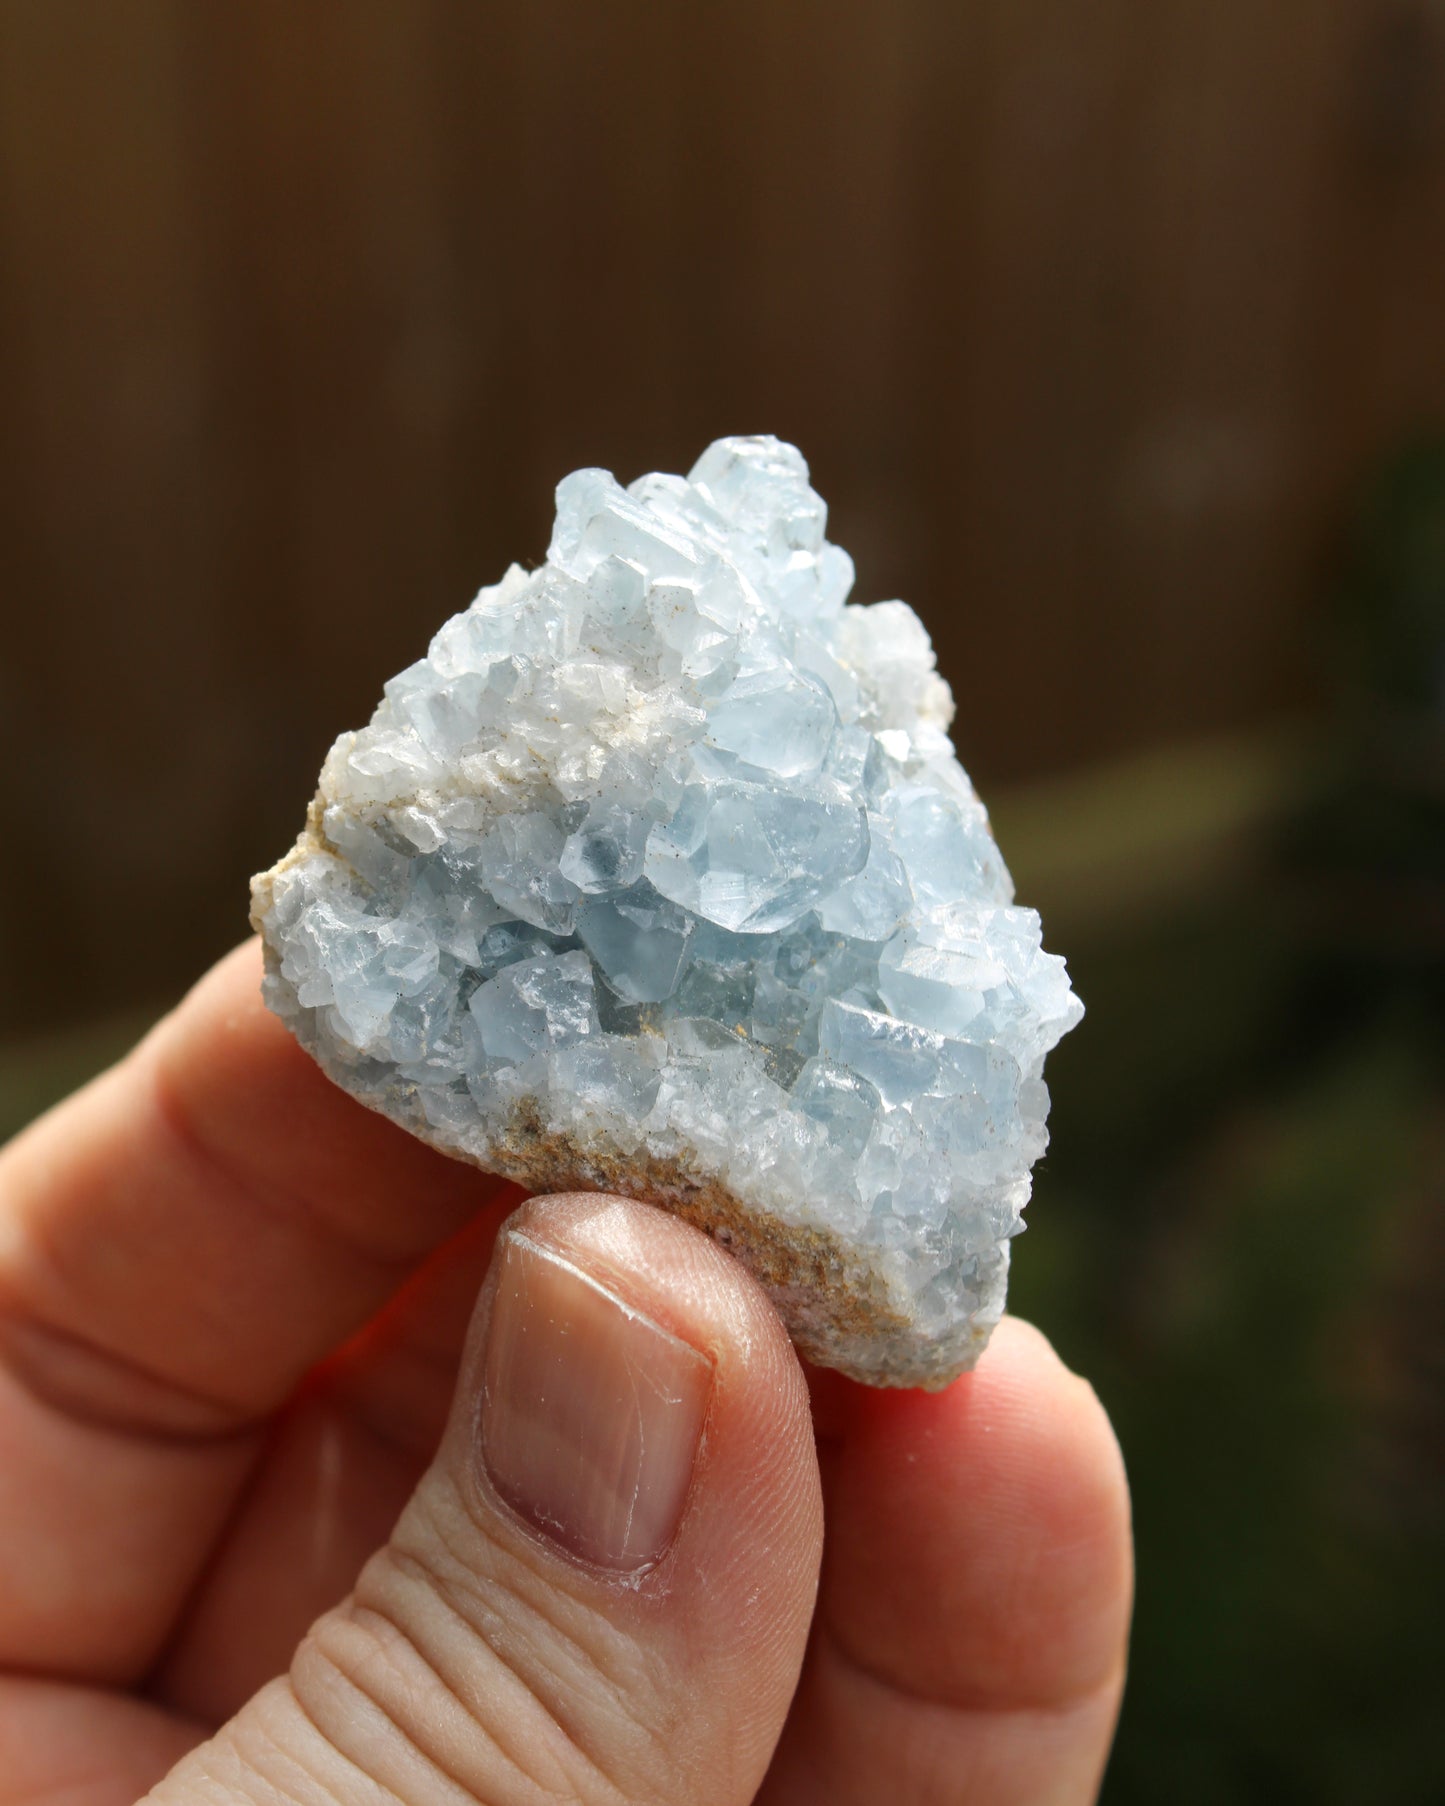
column 658, row 873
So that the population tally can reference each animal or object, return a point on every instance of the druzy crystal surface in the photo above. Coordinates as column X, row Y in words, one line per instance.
column 658, row 873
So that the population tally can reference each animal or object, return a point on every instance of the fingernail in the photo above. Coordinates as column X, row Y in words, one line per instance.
column 592, row 1413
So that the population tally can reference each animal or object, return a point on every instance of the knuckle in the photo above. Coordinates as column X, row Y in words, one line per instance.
column 455, row 1666
column 272, row 1754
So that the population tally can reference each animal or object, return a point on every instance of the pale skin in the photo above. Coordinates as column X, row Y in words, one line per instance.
column 236, row 1373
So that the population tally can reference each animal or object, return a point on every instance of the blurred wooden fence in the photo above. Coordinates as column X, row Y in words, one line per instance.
column 1088, row 317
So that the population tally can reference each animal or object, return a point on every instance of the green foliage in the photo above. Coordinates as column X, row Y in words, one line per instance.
column 1235, row 1238
column 1393, row 595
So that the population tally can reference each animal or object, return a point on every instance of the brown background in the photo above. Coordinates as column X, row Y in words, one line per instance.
column 1089, row 317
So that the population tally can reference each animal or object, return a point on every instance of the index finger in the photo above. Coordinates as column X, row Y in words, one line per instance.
column 974, row 1611
column 179, row 1242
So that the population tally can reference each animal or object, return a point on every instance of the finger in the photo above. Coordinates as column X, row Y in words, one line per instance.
column 973, row 1618
column 601, row 1590
column 339, row 1465
column 178, row 1244
column 82, row 1747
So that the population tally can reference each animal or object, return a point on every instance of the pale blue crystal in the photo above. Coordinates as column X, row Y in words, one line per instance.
column 756, row 859
column 540, row 1002
column 521, row 867
column 780, row 719
column 639, row 942
column 843, row 1101
column 604, row 851
column 658, row 872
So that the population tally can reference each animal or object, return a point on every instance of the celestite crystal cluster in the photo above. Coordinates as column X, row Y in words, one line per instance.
column 658, row 873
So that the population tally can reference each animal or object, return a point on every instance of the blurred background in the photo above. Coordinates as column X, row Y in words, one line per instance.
column 1115, row 335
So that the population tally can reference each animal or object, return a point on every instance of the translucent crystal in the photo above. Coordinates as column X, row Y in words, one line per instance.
column 658, row 873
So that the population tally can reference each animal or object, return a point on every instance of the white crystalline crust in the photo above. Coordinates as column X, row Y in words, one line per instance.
column 659, row 872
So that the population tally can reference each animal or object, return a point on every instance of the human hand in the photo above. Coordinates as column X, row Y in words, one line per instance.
column 232, row 1305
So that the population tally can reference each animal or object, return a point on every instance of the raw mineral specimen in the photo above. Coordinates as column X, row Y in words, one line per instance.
column 658, row 874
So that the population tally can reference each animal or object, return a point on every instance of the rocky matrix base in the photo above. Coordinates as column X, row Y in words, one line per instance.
column 658, row 874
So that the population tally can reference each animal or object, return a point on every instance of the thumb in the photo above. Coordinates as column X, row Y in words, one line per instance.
column 601, row 1589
